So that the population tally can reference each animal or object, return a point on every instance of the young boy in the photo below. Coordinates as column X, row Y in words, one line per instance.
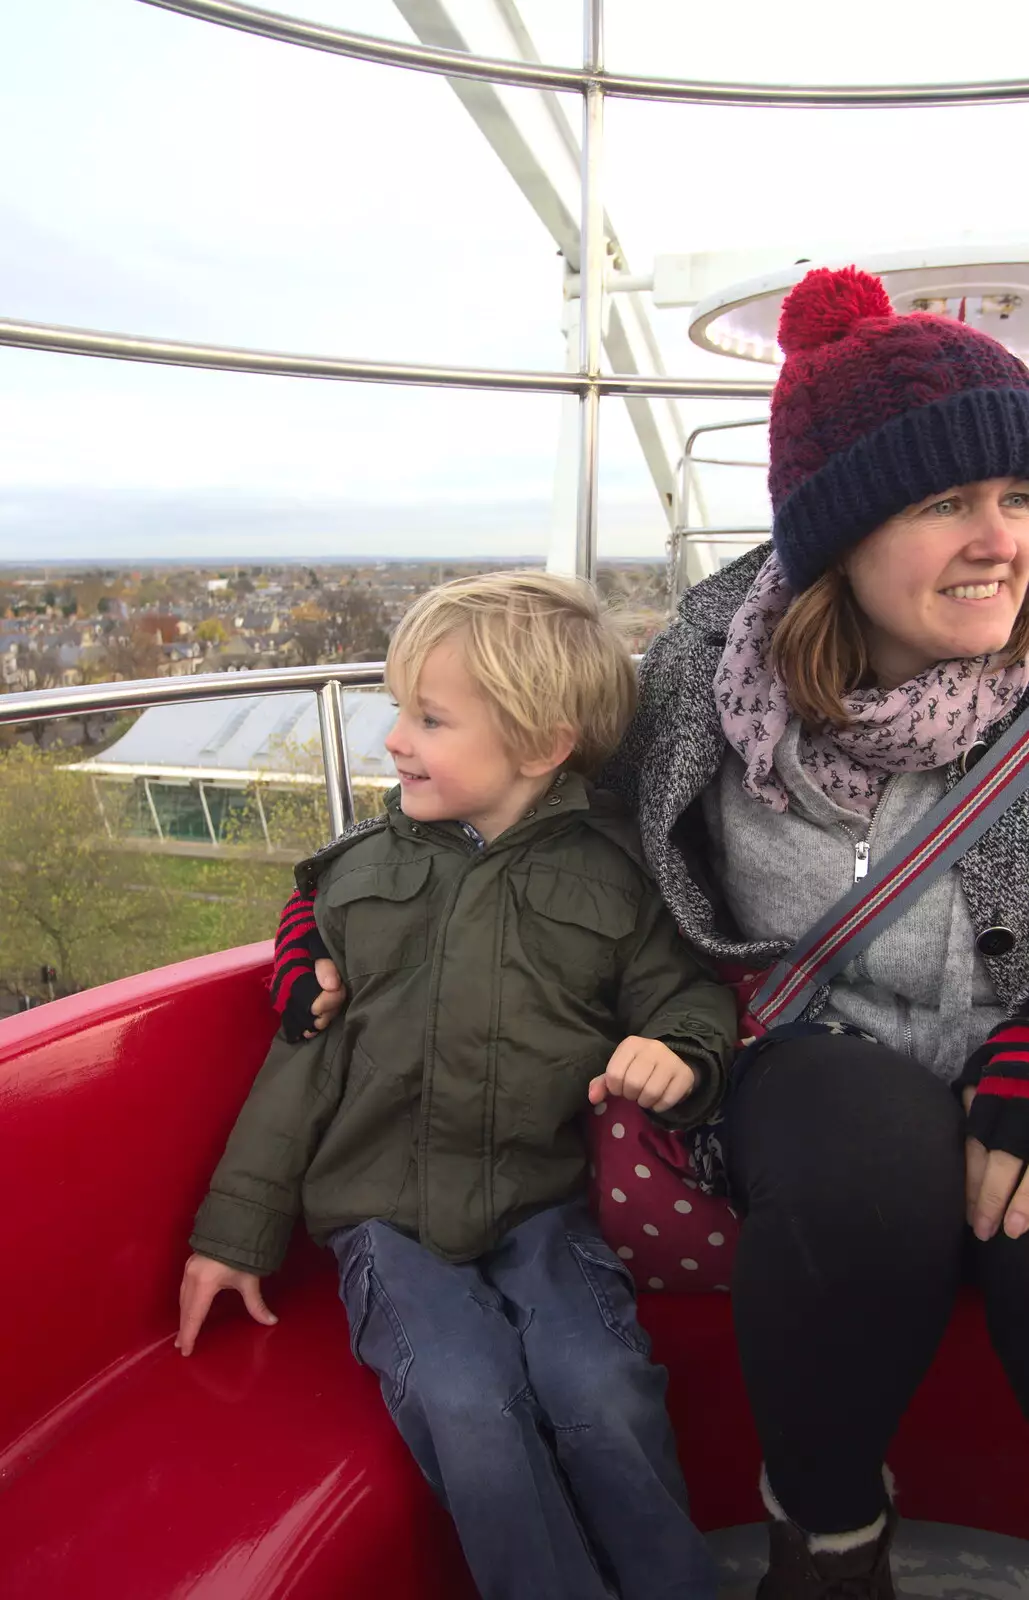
column 507, row 959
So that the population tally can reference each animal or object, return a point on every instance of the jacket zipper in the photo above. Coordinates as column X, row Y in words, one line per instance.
column 429, row 1050
column 862, row 851
column 862, row 848
column 909, row 1043
column 862, row 855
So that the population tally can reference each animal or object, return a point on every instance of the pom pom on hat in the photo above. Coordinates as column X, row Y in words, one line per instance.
column 825, row 306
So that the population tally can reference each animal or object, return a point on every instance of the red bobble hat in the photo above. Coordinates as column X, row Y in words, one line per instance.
column 874, row 412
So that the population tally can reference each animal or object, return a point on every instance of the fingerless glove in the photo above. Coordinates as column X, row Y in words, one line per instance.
column 999, row 1073
column 298, row 945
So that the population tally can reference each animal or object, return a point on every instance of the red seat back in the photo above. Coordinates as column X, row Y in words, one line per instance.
column 114, row 1107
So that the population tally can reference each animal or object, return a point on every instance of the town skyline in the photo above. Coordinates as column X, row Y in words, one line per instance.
column 63, row 624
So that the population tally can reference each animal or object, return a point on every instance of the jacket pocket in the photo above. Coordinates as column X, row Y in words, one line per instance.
column 387, row 923
column 612, row 1288
column 573, row 923
column 363, row 1161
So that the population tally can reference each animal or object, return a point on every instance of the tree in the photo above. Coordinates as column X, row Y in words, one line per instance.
column 211, row 631
column 27, row 659
column 152, row 591
column 66, row 899
column 311, row 636
column 358, row 626
column 46, row 664
column 159, row 626
column 92, row 595
column 134, row 655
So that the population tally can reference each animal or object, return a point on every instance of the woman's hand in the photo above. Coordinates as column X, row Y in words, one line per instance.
column 305, row 990
column 995, row 1094
column 644, row 1070
column 201, row 1281
column 996, row 1187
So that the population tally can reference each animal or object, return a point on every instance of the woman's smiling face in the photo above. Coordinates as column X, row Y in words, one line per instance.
column 943, row 579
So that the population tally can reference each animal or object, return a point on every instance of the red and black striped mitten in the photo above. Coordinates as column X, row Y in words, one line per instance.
column 999, row 1073
column 298, row 945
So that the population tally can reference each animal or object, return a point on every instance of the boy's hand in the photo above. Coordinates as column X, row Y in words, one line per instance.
column 644, row 1070
column 327, row 1005
column 201, row 1281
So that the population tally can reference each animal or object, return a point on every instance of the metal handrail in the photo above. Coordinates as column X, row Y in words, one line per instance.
column 536, row 75
column 326, row 681
column 225, row 358
column 685, row 487
column 681, row 519
column 593, row 252
column 139, row 693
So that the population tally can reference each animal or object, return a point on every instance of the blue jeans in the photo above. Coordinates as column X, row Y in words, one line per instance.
column 523, row 1386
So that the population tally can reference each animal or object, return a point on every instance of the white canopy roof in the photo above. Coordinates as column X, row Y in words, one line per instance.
column 273, row 737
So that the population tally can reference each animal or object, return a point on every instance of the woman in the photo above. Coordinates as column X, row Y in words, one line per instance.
column 808, row 706
column 803, row 713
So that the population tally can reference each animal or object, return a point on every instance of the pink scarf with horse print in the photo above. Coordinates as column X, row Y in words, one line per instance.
column 924, row 723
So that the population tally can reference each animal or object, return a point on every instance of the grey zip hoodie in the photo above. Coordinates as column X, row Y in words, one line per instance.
column 920, row 986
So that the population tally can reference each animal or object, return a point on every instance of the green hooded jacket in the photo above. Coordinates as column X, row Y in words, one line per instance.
column 487, row 986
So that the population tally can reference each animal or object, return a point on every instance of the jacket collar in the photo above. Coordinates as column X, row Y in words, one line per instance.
column 569, row 792
column 712, row 604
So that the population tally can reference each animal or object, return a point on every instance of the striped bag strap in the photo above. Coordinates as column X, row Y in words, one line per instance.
column 940, row 838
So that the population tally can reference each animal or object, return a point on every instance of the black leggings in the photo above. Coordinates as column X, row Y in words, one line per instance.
column 847, row 1161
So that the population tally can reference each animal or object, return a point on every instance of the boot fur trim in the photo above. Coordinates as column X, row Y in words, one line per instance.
column 831, row 1543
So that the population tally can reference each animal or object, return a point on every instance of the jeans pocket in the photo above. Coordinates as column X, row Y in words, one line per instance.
column 611, row 1285
column 377, row 1336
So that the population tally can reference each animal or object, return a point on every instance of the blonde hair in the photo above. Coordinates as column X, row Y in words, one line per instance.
column 819, row 649
column 541, row 650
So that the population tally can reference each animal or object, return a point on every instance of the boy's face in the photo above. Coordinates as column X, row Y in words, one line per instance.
column 450, row 757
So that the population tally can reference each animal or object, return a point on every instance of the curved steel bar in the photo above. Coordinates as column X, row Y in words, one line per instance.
column 177, row 353
column 366, row 47
column 43, row 704
column 217, row 358
column 591, row 305
column 335, row 758
column 623, row 383
column 722, row 427
column 533, row 75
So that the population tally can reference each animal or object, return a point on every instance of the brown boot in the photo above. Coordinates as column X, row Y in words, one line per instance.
column 795, row 1572
column 833, row 1567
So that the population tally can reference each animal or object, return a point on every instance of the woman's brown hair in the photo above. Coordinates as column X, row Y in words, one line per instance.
column 820, row 653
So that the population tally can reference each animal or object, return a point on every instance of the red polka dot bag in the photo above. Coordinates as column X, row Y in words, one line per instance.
column 646, row 1192
column 651, row 1209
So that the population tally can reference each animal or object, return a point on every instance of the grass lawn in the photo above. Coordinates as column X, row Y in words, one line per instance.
column 214, row 905
column 194, row 875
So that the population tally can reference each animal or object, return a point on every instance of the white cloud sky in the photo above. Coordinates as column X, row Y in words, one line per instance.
column 169, row 177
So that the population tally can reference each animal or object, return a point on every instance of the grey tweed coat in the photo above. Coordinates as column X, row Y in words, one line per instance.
column 674, row 748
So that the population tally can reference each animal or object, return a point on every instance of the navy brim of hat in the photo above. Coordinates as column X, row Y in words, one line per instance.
column 964, row 438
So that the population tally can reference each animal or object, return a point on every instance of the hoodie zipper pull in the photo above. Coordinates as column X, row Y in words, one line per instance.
column 861, row 854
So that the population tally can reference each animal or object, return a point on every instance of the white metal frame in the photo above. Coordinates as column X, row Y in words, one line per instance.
column 593, row 82
column 689, row 545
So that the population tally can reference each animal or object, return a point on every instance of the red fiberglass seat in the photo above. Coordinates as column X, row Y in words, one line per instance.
column 265, row 1467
